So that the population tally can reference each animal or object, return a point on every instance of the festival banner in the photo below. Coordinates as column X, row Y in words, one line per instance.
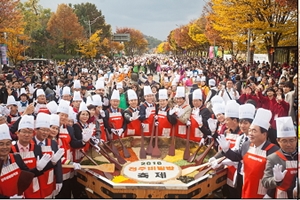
column 3, row 50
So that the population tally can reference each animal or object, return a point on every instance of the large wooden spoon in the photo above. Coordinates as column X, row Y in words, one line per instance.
column 108, row 167
column 120, row 159
column 172, row 146
column 200, row 158
column 143, row 153
column 24, row 181
column 150, row 145
column 156, row 152
column 203, row 172
column 186, row 154
column 125, row 151
column 192, row 157
column 113, row 147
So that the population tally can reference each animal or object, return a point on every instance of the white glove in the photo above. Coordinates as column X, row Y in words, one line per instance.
column 278, row 174
column 16, row 196
column 102, row 113
column 229, row 162
column 58, row 187
column 172, row 111
column 120, row 131
column 188, row 122
column 31, row 89
column 135, row 116
column 195, row 111
column 57, row 90
column 214, row 163
column 156, row 117
column 41, row 163
column 202, row 141
column 143, row 125
column 56, row 157
column 180, row 112
column 86, row 135
column 267, row 197
column 156, row 123
column 223, row 143
column 91, row 127
column 105, row 102
column 76, row 166
column 212, row 124
column 114, row 131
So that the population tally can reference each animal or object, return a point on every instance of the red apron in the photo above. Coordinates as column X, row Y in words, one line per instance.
column 180, row 128
column 117, row 120
column 164, row 126
column 254, row 166
column 64, row 142
column 102, row 129
column 133, row 127
column 149, row 121
column 9, row 178
column 33, row 191
column 291, row 167
column 13, row 119
column 195, row 135
column 47, row 181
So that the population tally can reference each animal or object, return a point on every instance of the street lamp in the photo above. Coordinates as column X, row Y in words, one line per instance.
column 91, row 23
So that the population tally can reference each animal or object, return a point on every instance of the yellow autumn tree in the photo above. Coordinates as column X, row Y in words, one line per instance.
column 162, row 48
column 88, row 48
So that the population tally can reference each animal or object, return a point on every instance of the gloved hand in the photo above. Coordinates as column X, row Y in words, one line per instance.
column 202, row 142
column 135, row 116
column 188, row 122
column 41, row 163
column 57, row 90
column 156, row 117
column 214, row 163
column 212, row 124
column 56, row 157
column 267, row 197
column 58, row 187
column 31, row 89
column 180, row 112
column 86, row 135
column 114, row 131
column 105, row 102
column 172, row 111
column 195, row 111
column 102, row 113
column 229, row 162
column 16, row 196
column 76, row 166
column 278, row 174
column 120, row 131
column 156, row 123
column 143, row 125
column 223, row 143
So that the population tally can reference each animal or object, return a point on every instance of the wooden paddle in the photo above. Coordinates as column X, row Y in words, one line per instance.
column 110, row 167
column 125, row 151
column 186, row 154
column 150, row 146
column 24, row 181
column 172, row 146
column 200, row 158
column 192, row 157
column 143, row 154
column 113, row 147
column 203, row 172
column 156, row 152
column 120, row 159
column 194, row 168
column 106, row 174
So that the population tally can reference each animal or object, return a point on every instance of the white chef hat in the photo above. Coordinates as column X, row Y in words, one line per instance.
column 119, row 85
column 77, row 96
column 82, row 107
column 115, row 95
column 77, row 84
column 246, row 111
column 11, row 100
column 163, row 94
column 23, row 91
column 54, row 120
column 42, row 121
column 262, row 118
column 147, row 90
column 27, row 121
column 72, row 114
column 216, row 99
column 285, row 127
column 89, row 101
column 100, row 71
column 66, row 90
column 180, row 91
column 4, row 132
column 203, row 79
column 232, row 109
column 197, row 94
column 97, row 101
column 200, row 71
column 63, row 106
column 198, row 79
column 39, row 92
column 174, row 82
column 52, row 107
column 131, row 95
column 211, row 82
column 218, row 108
column 99, row 84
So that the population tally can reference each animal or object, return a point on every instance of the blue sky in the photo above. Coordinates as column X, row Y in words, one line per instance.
column 155, row 18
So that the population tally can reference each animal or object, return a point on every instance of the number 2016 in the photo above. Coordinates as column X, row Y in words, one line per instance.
column 150, row 163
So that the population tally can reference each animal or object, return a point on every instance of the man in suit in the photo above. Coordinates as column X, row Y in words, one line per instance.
column 282, row 168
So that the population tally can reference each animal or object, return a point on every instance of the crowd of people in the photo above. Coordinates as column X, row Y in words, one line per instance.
column 49, row 113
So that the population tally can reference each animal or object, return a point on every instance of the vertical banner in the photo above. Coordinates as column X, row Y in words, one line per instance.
column 3, row 50
column 211, row 52
column 216, row 51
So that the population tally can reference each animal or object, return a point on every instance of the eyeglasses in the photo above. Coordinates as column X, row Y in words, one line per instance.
column 26, row 132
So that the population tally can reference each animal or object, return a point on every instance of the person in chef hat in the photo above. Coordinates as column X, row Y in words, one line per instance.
column 182, row 111
column 76, row 101
column 12, row 109
column 213, row 91
column 68, row 141
column 66, row 93
column 100, row 90
column 282, row 166
column 24, row 100
column 253, row 153
column 97, row 117
column 76, row 85
column 41, row 100
column 42, row 130
column 54, row 127
column 131, row 115
column 12, row 164
column 123, row 101
column 148, row 110
column 114, row 122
